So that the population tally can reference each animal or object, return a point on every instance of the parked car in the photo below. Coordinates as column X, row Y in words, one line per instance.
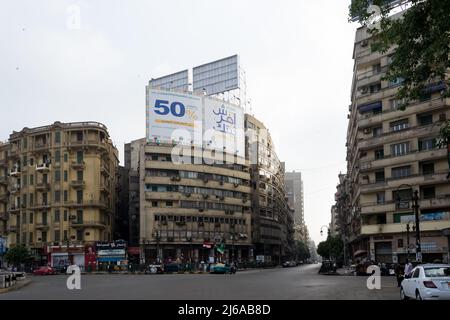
column 44, row 271
column 288, row 264
column 427, row 282
column 154, row 269
column 222, row 268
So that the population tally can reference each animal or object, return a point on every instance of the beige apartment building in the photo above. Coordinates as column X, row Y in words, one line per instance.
column 185, row 209
column 58, row 189
column 392, row 153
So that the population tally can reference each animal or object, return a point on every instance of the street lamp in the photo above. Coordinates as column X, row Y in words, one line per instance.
column 417, row 218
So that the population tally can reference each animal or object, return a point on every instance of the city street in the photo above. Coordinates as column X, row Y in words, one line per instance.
column 301, row 282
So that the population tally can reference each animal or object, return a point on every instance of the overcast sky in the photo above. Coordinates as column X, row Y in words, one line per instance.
column 297, row 56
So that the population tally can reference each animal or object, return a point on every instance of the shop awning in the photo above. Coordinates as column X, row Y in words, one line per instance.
column 370, row 106
column 110, row 259
column 359, row 253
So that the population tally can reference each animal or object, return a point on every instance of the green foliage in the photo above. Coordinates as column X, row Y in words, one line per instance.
column 301, row 250
column 334, row 246
column 17, row 255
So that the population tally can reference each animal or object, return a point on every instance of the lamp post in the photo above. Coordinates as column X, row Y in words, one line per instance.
column 415, row 206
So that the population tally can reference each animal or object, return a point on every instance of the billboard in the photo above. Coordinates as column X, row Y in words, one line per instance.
column 176, row 81
column 217, row 77
column 224, row 126
column 168, row 111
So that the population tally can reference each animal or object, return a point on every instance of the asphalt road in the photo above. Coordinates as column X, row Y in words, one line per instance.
column 301, row 282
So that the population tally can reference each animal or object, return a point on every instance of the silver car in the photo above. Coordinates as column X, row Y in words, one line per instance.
column 427, row 282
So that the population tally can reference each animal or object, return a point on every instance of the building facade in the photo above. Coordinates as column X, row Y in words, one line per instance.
column 294, row 191
column 390, row 154
column 187, row 209
column 272, row 219
column 58, row 185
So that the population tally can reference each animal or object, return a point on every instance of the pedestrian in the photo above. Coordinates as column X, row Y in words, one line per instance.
column 408, row 267
column 399, row 274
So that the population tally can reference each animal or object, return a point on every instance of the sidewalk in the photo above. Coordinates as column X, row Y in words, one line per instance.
column 19, row 284
column 345, row 271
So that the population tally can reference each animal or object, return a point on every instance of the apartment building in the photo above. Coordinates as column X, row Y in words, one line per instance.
column 59, row 182
column 3, row 188
column 182, row 210
column 390, row 154
column 272, row 219
column 294, row 192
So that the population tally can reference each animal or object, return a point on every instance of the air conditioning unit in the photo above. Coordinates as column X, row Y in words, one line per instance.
column 364, row 90
column 367, row 130
column 364, row 43
column 205, row 196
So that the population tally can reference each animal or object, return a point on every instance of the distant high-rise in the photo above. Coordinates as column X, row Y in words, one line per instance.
column 294, row 192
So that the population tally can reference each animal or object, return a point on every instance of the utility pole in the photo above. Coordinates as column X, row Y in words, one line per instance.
column 416, row 214
column 407, row 239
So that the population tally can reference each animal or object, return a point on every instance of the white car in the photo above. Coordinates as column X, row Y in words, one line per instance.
column 427, row 282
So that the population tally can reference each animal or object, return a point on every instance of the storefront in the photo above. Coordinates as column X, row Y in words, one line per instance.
column 112, row 256
column 63, row 256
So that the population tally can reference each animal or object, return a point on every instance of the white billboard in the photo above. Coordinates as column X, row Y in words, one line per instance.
column 175, row 81
column 168, row 111
column 217, row 77
column 224, row 126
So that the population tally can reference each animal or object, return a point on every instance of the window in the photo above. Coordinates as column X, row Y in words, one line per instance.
column 154, row 203
column 377, row 131
column 65, row 196
column 425, row 119
column 65, row 215
column 65, row 235
column 79, row 136
column 400, row 243
column 381, row 219
column 66, row 158
column 25, row 145
column 379, row 154
column 427, row 144
column 79, row 196
column 44, row 217
column 31, row 237
column 57, row 236
column 58, row 137
column 31, row 217
column 397, row 81
column 169, row 203
column 401, row 172
column 31, row 161
column 399, row 149
column 24, row 180
column 79, row 156
column 79, row 216
column 376, row 68
column 375, row 88
column 396, row 104
column 57, row 216
column 44, row 236
column 31, row 180
column 380, row 198
column 399, row 125
column 379, row 176
column 154, row 188
column 57, row 196
column 416, row 273
column 65, row 176
column 25, row 160
column 79, row 175
column 57, row 156
column 31, row 196
column 57, row 175
column 79, row 234
column 155, row 158
column 427, row 167
column 428, row 193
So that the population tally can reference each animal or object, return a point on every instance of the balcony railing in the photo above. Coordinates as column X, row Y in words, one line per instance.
column 42, row 205
column 87, row 203
column 15, row 188
column 78, row 164
column 42, row 167
column 14, row 172
column 12, row 229
column 41, row 226
column 41, row 186
column 88, row 224
column 77, row 184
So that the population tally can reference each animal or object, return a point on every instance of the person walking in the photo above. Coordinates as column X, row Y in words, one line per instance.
column 399, row 274
column 408, row 267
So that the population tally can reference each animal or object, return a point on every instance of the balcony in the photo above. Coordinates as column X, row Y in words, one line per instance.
column 441, row 201
column 41, row 226
column 87, row 224
column 87, row 203
column 78, row 184
column 371, row 208
column 42, row 186
column 42, row 167
column 41, row 205
column 401, row 227
column 15, row 188
column 41, row 146
column 14, row 209
column 14, row 172
column 12, row 229
column 3, row 181
column 78, row 165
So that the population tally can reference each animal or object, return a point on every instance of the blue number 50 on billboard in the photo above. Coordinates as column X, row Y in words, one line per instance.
column 169, row 111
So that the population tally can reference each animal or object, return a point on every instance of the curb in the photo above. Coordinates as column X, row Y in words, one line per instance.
column 20, row 284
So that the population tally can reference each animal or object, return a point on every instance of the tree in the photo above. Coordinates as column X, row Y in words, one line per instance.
column 17, row 255
column 421, row 38
column 301, row 250
column 334, row 246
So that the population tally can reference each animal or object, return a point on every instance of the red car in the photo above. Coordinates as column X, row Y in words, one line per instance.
column 44, row 271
